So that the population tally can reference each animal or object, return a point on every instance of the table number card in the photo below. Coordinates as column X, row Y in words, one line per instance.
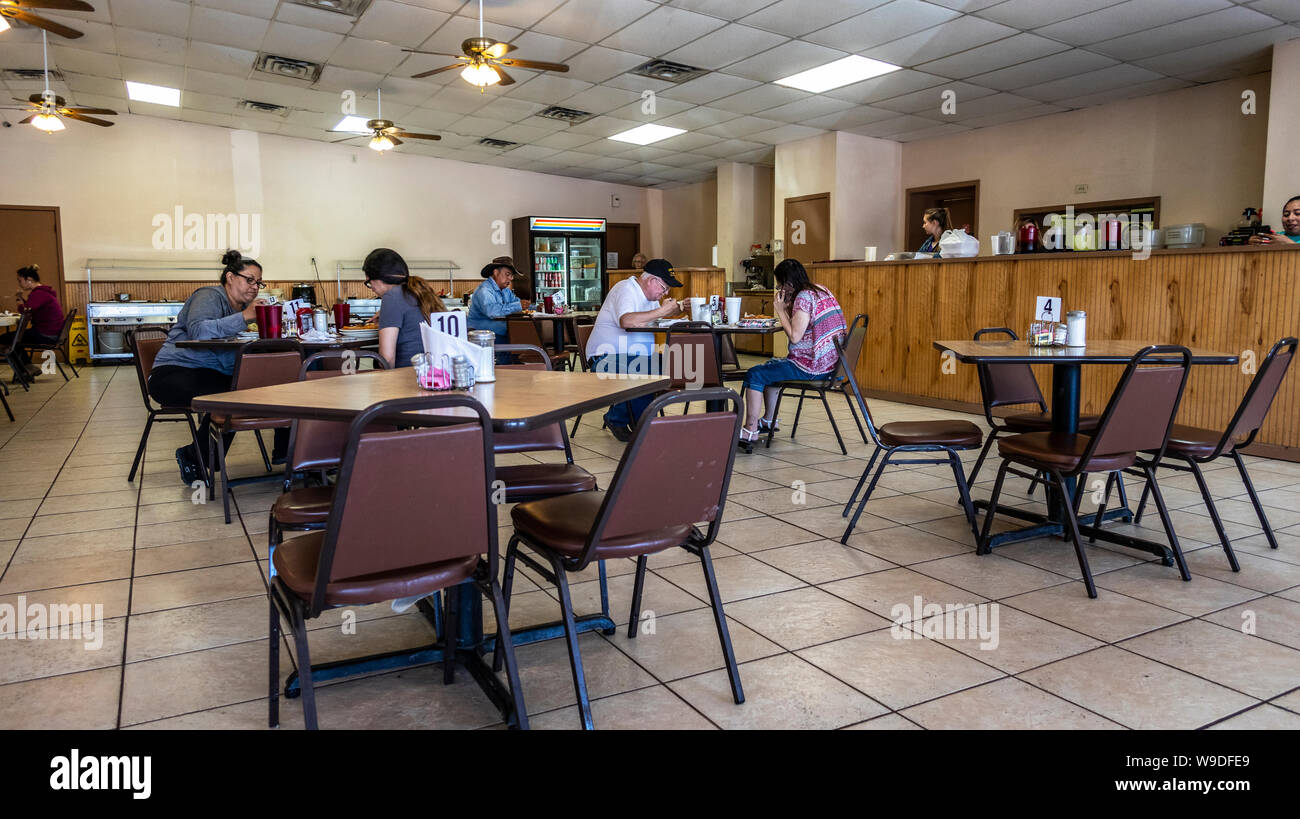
column 452, row 323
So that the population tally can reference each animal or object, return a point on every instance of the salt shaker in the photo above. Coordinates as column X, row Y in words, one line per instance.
column 462, row 373
column 486, row 340
column 1059, row 335
column 1076, row 322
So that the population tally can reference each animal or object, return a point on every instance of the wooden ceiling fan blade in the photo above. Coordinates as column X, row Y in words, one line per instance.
column 103, row 123
column 506, row 79
column 409, row 135
column 434, row 53
column 107, row 111
column 394, row 139
column 535, row 64
column 40, row 22
column 348, row 139
column 55, row 5
column 25, row 121
column 423, row 74
column 498, row 50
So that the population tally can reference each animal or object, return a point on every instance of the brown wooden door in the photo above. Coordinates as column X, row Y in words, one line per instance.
column 623, row 239
column 29, row 235
column 808, row 220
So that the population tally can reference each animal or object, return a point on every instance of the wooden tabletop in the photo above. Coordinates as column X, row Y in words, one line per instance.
column 1118, row 351
column 234, row 343
column 721, row 329
column 517, row 400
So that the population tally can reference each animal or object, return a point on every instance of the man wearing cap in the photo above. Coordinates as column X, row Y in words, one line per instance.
column 493, row 299
column 620, row 344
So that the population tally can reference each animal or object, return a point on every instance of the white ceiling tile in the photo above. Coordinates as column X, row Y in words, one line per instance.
column 82, row 84
column 518, row 13
column 882, row 24
column 594, row 20
column 510, row 109
column 930, row 133
column 21, row 55
column 172, row 76
column 688, row 142
column 477, row 126
column 160, row 16
column 1044, row 69
column 1124, row 92
column 548, row 88
column 563, row 140
column 795, row 18
column 603, row 126
column 97, row 36
column 784, row 60
column 228, row 29
column 522, row 133
column 1127, row 18
column 1223, row 57
column 401, row 91
column 333, row 78
column 637, row 83
column 367, row 55
column 709, row 87
column 726, row 9
column 221, row 59
column 851, row 118
column 1027, row 14
column 456, row 30
column 730, row 147
column 1288, row 11
column 1063, row 91
column 314, row 18
column 943, row 40
column 401, row 24
column 208, row 102
column 84, row 62
column 887, row 86
column 207, row 118
column 800, row 111
column 148, row 109
column 146, row 45
column 601, row 99
column 1011, row 51
column 661, row 31
column 300, row 43
column 741, row 127
column 255, row 8
column 930, row 102
column 760, row 99
column 763, row 156
column 544, row 47
column 599, row 63
column 459, row 98
column 431, row 120
column 726, row 45
column 532, row 152
column 786, row 133
column 1015, row 115
column 663, row 108
column 212, row 83
column 888, row 128
column 1208, row 28
column 698, row 117
column 971, row 108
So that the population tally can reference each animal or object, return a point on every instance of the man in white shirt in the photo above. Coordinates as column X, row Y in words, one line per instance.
column 619, row 345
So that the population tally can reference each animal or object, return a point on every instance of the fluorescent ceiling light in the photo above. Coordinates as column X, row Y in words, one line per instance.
column 158, row 94
column 645, row 134
column 841, row 72
column 352, row 125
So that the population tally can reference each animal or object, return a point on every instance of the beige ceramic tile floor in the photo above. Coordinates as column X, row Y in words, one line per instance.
column 183, row 643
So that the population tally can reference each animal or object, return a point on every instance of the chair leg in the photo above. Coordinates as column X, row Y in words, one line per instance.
column 604, row 595
column 866, row 496
column 797, row 412
column 266, row 459
column 1101, row 507
column 198, row 452
column 854, row 412
column 61, row 372
column 1142, row 504
column 984, row 548
column 1214, row 515
column 1073, row 530
column 226, row 491
column 304, row 667
column 1169, row 527
column 573, row 433
column 139, row 451
column 571, row 638
column 505, row 646
column 212, row 465
column 979, row 462
column 273, row 662
column 5, row 402
column 776, row 413
column 507, row 585
column 964, row 491
column 871, row 463
column 1123, row 493
column 1250, row 490
column 720, row 618
column 638, row 586
column 834, row 426
column 449, row 636
column 68, row 360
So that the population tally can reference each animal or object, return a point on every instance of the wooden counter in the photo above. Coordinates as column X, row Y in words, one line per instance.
column 1238, row 300
column 697, row 282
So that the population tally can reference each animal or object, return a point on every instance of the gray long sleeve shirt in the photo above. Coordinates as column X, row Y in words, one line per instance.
column 207, row 313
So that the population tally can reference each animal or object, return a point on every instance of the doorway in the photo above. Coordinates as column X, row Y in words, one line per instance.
column 962, row 199
column 624, row 239
column 808, row 228
column 30, row 235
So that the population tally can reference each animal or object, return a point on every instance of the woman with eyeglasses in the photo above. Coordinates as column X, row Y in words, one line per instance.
column 404, row 302
column 179, row 374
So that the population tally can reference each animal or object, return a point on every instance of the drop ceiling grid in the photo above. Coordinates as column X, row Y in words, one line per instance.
column 206, row 40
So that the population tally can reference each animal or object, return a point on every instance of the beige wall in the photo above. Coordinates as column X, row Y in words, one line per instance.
column 328, row 201
column 690, row 223
column 744, row 213
column 1282, row 170
column 867, row 203
column 803, row 168
column 1194, row 148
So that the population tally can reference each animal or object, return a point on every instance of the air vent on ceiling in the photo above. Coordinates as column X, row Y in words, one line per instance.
column 31, row 75
column 263, row 107
column 503, row 144
column 570, row 115
column 286, row 67
column 668, row 71
column 351, row 8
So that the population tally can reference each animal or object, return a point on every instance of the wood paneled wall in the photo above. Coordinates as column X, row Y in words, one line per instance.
column 697, row 282
column 1238, row 300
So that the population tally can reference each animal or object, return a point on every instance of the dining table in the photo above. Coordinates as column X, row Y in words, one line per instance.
column 721, row 336
column 1067, row 365
column 236, row 343
column 517, row 400
column 564, row 325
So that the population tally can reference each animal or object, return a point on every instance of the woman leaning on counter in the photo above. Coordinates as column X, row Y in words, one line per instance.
column 934, row 222
column 218, row 311
column 1290, row 234
column 404, row 302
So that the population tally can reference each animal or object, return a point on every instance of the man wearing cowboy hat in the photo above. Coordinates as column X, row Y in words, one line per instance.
column 493, row 300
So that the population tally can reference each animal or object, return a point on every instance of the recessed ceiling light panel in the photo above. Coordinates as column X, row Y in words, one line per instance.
column 352, row 125
column 841, row 72
column 157, row 94
column 646, row 134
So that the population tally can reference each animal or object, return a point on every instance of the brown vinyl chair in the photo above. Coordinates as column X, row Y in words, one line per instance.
column 59, row 345
column 527, row 331
column 584, row 335
column 691, row 357
column 836, row 383
column 1194, row 446
column 144, row 346
column 905, row 437
column 261, row 363
column 398, row 529
column 681, row 462
column 1138, row 418
column 11, row 353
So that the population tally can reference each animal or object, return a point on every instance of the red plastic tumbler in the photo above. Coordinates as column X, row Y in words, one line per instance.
column 342, row 313
column 548, row 304
column 268, row 320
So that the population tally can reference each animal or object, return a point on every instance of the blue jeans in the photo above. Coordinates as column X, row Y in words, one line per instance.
column 627, row 413
column 778, row 369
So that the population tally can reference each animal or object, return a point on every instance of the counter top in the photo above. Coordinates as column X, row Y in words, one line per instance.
column 1059, row 255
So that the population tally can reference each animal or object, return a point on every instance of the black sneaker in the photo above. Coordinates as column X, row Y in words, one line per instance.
column 190, row 471
column 622, row 433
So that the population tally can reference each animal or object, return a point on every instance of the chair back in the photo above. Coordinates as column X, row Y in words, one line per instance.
column 392, row 512
column 691, row 356
column 583, row 332
column 1141, row 410
column 524, row 331
column 548, row 438
column 673, row 474
column 313, row 443
column 266, row 362
column 1259, row 396
column 66, row 329
column 853, row 392
column 851, row 347
column 20, row 329
column 1004, row 385
column 144, row 346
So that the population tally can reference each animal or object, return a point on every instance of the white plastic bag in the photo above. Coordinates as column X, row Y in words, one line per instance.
column 958, row 244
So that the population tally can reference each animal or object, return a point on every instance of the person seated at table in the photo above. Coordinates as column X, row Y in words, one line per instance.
column 934, row 222
column 620, row 343
column 813, row 321
column 1290, row 235
column 180, row 373
column 493, row 300
column 46, row 321
column 404, row 302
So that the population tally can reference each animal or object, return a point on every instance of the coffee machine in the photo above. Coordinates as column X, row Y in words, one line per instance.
column 758, row 271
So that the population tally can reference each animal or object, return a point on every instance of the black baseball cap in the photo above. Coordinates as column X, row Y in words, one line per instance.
column 663, row 269
column 500, row 261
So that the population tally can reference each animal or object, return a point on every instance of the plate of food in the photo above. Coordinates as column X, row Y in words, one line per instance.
column 756, row 321
column 247, row 335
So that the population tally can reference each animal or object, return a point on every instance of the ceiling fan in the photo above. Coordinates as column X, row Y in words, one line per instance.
column 483, row 59
column 19, row 10
column 46, row 107
column 384, row 135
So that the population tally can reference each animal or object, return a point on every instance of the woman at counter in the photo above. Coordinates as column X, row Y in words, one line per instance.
column 1290, row 227
column 934, row 222
column 813, row 320
column 217, row 311
column 404, row 302
column 46, row 314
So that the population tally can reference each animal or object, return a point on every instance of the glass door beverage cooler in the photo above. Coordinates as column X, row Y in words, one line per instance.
column 561, row 254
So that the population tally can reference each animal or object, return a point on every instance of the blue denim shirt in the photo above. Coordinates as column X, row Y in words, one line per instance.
column 489, row 304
